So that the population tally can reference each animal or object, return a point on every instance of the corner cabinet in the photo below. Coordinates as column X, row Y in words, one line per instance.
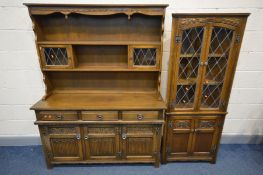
column 203, row 58
column 101, row 67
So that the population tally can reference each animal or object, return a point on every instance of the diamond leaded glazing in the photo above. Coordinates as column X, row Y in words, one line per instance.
column 144, row 56
column 188, row 67
column 56, row 56
column 216, row 66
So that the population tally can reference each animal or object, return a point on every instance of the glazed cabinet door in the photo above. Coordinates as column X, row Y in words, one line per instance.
column 140, row 142
column 217, row 65
column 101, row 142
column 188, row 49
column 56, row 56
column 144, row 57
column 205, row 136
column 63, row 143
column 179, row 137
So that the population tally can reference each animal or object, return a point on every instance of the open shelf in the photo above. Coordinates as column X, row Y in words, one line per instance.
column 81, row 28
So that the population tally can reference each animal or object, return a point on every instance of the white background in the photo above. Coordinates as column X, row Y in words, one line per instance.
column 21, row 82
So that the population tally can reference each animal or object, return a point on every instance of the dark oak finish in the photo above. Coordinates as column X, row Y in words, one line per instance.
column 204, row 53
column 101, row 66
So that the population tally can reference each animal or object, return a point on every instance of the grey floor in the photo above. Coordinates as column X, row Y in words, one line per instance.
column 232, row 160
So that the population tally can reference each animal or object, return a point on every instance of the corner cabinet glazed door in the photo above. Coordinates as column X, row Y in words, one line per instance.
column 217, row 66
column 139, row 142
column 102, row 142
column 204, row 62
column 63, row 143
column 189, row 48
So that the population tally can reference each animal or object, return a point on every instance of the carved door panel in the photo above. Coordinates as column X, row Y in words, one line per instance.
column 205, row 136
column 63, row 143
column 101, row 142
column 179, row 136
column 139, row 142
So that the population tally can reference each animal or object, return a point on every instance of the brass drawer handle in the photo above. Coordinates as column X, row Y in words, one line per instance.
column 124, row 136
column 59, row 117
column 140, row 117
column 100, row 117
column 86, row 137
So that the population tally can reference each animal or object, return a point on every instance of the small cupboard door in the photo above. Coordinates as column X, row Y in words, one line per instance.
column 144, row 57
column 56, row 56
column 179, row 136
column 139, row 142
column 205, row 136
column 102, row 142
column 63, row 143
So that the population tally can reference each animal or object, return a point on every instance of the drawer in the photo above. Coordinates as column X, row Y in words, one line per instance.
column 99, row 115
column 140, row 115
column 58, row 115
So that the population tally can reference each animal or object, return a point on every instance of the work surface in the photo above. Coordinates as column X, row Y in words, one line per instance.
column 232, row 160
column 101, row 101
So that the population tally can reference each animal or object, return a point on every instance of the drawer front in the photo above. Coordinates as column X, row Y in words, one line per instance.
column 99, row 115
column 140, row 115
column 58, row 115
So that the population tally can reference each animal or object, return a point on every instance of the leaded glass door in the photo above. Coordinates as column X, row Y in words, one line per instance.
column 56, row 56
column 215, row 67
column 187, row 67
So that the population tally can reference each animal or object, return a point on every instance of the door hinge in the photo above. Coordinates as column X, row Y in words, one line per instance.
column 157, row 130
column 213, row 150
column 170, row 124
column 178, row 39
column 168, row 150
column 238, row 38
column 119, row 154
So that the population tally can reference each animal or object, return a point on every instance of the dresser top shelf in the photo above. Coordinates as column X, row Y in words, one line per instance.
column 101, row 101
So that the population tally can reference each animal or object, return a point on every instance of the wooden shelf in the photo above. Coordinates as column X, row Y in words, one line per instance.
column 102, row 42
column 199, row 55
column 192, row 81
column 101, row 101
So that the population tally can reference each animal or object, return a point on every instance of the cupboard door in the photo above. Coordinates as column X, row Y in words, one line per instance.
column 144, row 57
column 216, row 67
column 101, row 142
column 56, row 56
column 63, row 143
column 188, row 53
column 179, row 136
column 205, row 136
column 139, row 142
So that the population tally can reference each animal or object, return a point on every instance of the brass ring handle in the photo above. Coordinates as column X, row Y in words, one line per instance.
column 78, row 137
column 100, row 117
column 124, row 136
column 59, row 117
column 140, row 117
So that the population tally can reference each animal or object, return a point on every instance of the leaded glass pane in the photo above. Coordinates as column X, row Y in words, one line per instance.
column 144, row 56
column 56, row 56
column 188, row 67
column 216, row 67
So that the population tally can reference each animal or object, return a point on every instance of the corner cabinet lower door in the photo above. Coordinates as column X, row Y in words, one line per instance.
column 205, row 137
column 141, row 143
column 192, row 138
column 101, row 143
column 180, row 137
column 63, row 143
